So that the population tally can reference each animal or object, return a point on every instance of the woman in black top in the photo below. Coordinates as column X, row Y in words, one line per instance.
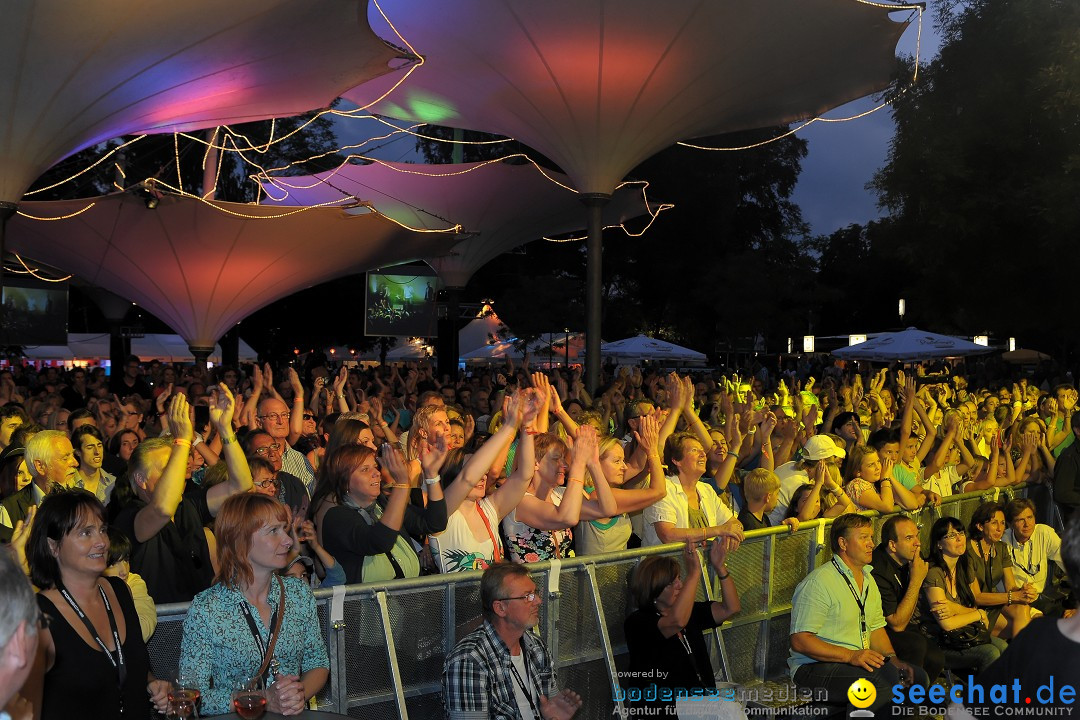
column 97, row 665
column 664, row 635
column 366, row 533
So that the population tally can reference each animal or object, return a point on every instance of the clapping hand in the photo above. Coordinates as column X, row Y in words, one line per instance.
column 562, row 706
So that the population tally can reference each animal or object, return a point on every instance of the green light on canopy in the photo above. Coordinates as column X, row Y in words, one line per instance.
column 422, row 107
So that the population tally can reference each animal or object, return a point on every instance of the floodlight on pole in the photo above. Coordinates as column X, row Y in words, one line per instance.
column 808, row 343
column 983, row 340
column 903, row 310
column 856, row 339
column 1012, row 344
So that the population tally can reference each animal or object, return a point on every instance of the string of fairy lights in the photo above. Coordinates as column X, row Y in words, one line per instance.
column 227, row 139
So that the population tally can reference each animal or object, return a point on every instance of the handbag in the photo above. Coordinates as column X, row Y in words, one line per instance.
column 967, row 636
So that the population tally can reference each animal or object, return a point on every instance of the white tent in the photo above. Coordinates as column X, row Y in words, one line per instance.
column 910, row 345
column 493, row 353
column 481, row 331
column 95, row 346
column 640, row 348
column 408, row 351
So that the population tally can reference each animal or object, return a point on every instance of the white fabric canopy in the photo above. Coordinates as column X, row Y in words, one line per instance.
column 641, row 347
column 909, row 345
column 202, row 267
column 153, row 346
column 500, row 206
column 599, row 86
column 79, row 72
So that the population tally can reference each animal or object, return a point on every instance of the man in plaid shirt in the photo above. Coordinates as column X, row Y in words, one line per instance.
column 501, row 671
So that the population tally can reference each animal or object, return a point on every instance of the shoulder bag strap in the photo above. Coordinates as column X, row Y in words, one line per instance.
column 275, row 631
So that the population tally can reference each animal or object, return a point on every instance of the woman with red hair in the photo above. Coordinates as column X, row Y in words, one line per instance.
column 253, row 623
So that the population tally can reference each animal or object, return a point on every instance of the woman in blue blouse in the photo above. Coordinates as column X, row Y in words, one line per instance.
column 228, row 628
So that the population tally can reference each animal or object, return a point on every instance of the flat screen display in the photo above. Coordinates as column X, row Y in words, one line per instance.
column 400, row 304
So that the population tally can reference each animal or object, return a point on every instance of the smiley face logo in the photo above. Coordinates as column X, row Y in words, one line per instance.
column 862, row 693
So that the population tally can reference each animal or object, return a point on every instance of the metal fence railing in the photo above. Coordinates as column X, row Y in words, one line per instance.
column 387, row 642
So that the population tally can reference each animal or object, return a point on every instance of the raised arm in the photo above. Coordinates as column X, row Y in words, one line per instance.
column 296, row 419
column 567, row 422
column 222, row 405
column 169, row 490
column 507, row 497
column 544, row 515
column 543, row 387
column 641, row 498
column 676, row 619
column 251, row 407
column 603, row 505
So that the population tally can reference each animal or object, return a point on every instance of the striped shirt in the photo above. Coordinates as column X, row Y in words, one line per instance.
column 294, row 463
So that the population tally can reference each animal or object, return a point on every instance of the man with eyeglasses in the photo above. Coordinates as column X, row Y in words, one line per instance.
column 900, row 570
column 275, row 419
column 1034, row 547
column 19, row 619
column 502, row 670
column 264, row 455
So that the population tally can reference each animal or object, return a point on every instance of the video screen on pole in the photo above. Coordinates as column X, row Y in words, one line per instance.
column 400, row 304
column 34, row 313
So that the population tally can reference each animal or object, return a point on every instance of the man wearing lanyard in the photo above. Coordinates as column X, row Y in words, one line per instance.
column 837, row 627
column 1035, row 548
column 501, row 670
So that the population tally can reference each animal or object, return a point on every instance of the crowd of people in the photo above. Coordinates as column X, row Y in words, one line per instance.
column 241, row 489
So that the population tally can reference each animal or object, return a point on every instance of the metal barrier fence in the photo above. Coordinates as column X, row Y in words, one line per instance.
column 387, row 642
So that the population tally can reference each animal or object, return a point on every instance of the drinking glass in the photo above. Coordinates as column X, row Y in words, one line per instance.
column 249, row 699
column 184, row 697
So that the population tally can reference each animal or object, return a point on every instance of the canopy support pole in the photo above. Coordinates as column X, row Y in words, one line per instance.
column 448, row 346
column 201, row 353
column 7, row 210
column 594, row 204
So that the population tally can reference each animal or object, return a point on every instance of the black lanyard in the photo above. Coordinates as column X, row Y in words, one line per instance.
column 861, row 602
column 526, row 691
column 255, row 629
column 117, row 658
column 1029, row 568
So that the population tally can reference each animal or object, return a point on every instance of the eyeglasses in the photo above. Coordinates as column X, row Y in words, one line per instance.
column 268, row 448
column 309, row 416
column 530, row 597
column 955, row 534
column 276, row 417
column 267, row 484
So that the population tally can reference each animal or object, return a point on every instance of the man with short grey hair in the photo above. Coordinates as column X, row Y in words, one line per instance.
column 18, row 636
column 52, row 464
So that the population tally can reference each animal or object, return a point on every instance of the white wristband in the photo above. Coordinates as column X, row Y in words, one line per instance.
column 432, row 481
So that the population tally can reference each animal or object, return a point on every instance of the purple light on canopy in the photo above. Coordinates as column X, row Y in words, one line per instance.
column 79, row 72
column 500, row 206
column 599, row 86
column 203, row 267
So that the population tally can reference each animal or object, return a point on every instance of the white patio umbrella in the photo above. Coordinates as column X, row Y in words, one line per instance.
column 910, row 345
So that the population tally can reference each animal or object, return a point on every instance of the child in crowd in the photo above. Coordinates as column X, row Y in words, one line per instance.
column 119, row 566
column 761, row 488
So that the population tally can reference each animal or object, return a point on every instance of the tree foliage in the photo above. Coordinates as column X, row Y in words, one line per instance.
column 983, row 175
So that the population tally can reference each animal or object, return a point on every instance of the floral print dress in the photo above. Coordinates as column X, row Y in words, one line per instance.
column 525, row 543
